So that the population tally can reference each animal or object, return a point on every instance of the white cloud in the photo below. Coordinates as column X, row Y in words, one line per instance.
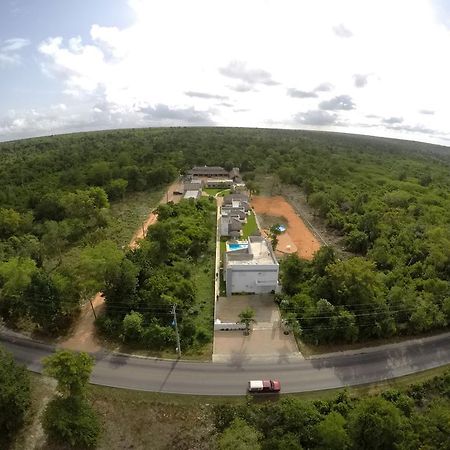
column 10, row 51
column 206, row 52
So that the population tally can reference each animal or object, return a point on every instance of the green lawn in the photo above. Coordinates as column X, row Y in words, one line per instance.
column 211, row 191
column 250, row 227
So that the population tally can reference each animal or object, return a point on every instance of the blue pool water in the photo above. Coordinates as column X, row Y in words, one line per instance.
column 237, row 246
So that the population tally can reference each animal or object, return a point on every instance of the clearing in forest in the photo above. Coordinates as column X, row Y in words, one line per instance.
column 297, row 232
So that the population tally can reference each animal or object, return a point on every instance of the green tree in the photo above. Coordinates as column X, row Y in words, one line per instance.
column 15, row 396
column 293, row 271
column 132, row 326
column 375, row 424
column 93, row 265
column 71, row 421
column 357, row 242
column 10, row 222
column 290, row 321
column 239, row 436
column 298, row 417
column 15, row 277
column 323, row 258
column 274, row 232
column 71, row 370
column 332, row 434
column 247, row 317
column 116, row 189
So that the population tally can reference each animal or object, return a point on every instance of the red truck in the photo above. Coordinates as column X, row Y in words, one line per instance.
column 273, row 386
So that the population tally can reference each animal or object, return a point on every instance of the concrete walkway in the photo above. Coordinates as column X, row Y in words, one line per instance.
column 266, row 341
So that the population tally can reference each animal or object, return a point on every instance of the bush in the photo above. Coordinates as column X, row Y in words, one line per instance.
column 132, row 326
column 15, row 396
column 203, row 336
column 71, row 421
column 158, row 337
column 108, row 326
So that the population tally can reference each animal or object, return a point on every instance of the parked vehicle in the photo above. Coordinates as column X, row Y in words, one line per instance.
column 273, row 386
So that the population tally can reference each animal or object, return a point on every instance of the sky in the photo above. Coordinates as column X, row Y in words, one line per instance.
column 356, row 66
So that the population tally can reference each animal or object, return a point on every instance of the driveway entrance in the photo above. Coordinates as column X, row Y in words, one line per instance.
column 266, row 341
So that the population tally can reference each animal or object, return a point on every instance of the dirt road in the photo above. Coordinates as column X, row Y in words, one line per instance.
column 83, row 336
column 297, row 231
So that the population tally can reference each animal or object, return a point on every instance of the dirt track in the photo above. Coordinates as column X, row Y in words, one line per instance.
column 299, row 233
column 83, row 336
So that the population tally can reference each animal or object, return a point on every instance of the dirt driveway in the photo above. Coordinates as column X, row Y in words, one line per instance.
column 298, row 232
column 266, row 342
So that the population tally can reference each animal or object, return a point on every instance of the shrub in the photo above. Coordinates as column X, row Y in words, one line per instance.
column 71, row 421
column 203, row 336
column 15, row 395
column 158, row 337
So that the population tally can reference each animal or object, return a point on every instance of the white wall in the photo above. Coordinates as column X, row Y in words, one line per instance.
column 252, row 279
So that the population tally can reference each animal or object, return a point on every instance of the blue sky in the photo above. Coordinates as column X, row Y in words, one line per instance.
column 372, row 67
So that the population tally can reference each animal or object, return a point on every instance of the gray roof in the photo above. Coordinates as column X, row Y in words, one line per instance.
column 208, row 170
column 195, row 194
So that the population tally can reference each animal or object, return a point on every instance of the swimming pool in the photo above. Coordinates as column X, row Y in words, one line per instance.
column 237, row 246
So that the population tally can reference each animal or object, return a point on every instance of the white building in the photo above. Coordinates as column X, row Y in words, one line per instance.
column 252, row 270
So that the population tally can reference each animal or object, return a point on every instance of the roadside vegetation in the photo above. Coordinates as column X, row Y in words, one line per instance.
column 416, row 417
column 15, row 397
column 60, row 238
column 68, row 419
column 173, row 267
column 407, row 413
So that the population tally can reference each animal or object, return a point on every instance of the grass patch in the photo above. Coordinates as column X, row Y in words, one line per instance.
column 128, row 214
column 223, row 249
column 142, row 420
column 213, row 191
column 250, row 228
column 32, row 436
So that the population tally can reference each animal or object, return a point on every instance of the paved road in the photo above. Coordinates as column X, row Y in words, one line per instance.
column 330, row 371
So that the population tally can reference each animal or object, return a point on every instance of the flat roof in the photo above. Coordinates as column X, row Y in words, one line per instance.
column 192, row 194
column 260, row 252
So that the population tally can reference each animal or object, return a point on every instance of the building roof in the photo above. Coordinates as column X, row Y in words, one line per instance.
column 228, row 199
column 195, row 194
column 259, row 252
column 206, row 170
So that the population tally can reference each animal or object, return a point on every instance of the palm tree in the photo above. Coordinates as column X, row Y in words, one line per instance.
column 291, row 324
column 247, row 318
column 274, row 232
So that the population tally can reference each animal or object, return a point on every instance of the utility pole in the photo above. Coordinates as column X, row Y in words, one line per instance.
column 174, row 312
column 93, row 309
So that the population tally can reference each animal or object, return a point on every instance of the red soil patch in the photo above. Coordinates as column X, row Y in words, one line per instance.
column 297, row 231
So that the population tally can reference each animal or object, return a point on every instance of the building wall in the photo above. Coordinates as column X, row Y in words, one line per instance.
column 251, row 279
column 219, row 183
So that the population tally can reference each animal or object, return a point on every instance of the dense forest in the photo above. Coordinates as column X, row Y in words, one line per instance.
column 387, row 198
